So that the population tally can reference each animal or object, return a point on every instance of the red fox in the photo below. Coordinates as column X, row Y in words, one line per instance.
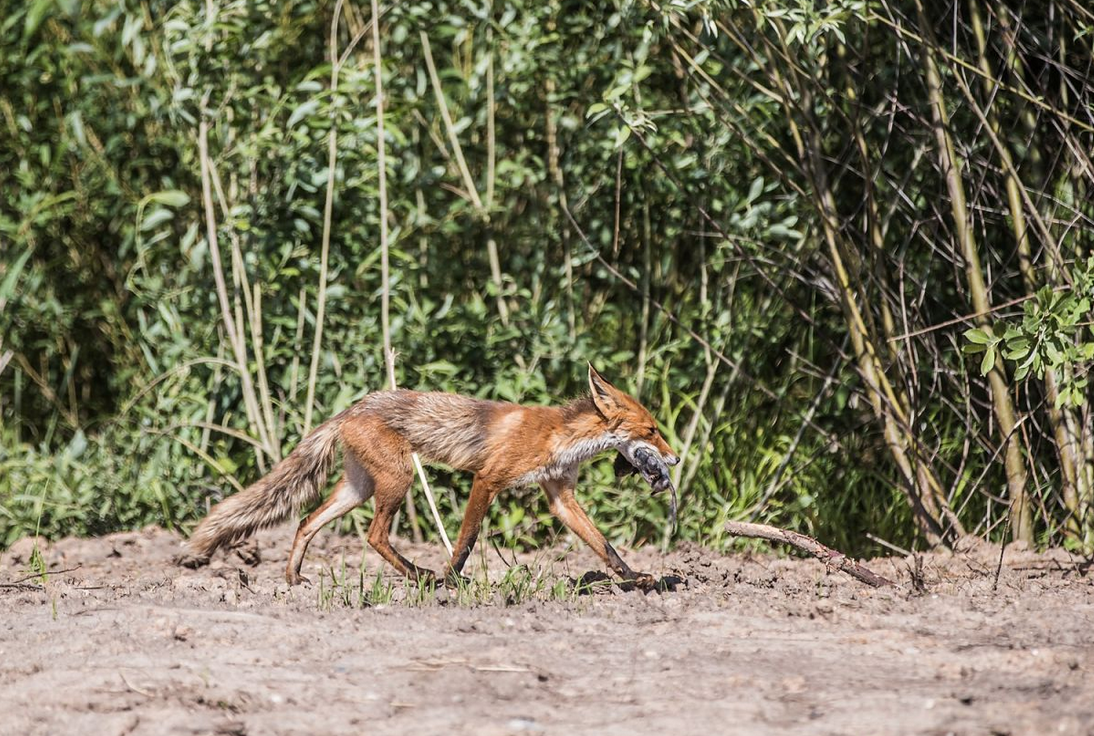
column 503, row 444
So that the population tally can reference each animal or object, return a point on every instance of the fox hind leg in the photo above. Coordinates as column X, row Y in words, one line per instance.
column 390, row 491
column 386, row 456
column 355, row 487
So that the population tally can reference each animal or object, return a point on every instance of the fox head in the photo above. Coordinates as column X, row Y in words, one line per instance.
column 633, row 427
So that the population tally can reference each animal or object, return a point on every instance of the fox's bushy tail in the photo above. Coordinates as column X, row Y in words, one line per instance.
column 293, row 482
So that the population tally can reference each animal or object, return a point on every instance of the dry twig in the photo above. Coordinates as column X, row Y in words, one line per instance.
column 830, row 557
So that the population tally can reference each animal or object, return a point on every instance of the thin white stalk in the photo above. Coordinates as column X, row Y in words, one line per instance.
column 211, row 407
column 328, row 208
column 381, row 162
column 689, row 437
column 491, row 108
column 418, row 465
column 384, row 271
column 251, row 308
column 693, row 424
column 235, row 339
column 465, row 173
column 298, row 341
column 263, row 383
column 450, row 128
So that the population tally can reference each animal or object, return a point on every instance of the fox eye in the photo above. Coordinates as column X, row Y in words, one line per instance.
column 651, row 432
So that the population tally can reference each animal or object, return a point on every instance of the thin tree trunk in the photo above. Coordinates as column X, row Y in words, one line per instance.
column 1021, row 514
column 555, row 171
column 1058, row 423
column 644, row 324
column 328, row 215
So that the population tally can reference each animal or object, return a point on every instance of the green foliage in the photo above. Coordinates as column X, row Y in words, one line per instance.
column 673, row 147
column 1051, row 336
column 111, row 294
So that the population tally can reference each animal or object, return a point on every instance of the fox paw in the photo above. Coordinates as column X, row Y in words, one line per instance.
column 423, row 577
column 248, row 552
column 295, row 578
column 456, row 580
column 647, row 583
column 191, row 561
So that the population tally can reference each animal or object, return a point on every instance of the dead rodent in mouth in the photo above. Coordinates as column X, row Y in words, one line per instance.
column 649, row 465
column 655, row 472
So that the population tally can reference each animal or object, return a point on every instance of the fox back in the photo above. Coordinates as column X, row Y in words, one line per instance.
column 446, row 428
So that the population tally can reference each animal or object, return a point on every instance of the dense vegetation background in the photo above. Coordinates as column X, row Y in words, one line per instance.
column 842, row 250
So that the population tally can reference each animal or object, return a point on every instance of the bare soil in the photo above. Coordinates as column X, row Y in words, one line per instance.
column 118, row 640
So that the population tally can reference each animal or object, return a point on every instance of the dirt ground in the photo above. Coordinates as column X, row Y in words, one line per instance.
column 117, row 640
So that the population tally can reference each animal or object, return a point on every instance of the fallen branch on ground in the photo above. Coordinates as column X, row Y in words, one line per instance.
column 830, row 557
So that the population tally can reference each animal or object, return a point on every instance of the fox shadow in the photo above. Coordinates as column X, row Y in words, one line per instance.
column 595, row 581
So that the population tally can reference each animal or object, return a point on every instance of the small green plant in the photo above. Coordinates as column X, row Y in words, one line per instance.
column 340, row 587
column 562, row 591
column 324, row 593
column 37, row 563
column 473, row 591
column 589, row 584
column 521, row 584
column 380, row 593
column 419, row 595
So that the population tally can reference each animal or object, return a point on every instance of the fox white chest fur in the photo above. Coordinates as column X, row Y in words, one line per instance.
column 566, row 461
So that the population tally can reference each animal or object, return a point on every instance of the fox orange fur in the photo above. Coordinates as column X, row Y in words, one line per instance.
column 503, row 444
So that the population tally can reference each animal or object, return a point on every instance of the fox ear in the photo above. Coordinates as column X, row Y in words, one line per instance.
column 605, row 395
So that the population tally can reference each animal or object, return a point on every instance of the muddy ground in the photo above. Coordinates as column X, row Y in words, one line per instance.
column 117, row 640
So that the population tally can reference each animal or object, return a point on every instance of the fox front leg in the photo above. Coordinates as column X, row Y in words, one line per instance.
column 564, row 505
